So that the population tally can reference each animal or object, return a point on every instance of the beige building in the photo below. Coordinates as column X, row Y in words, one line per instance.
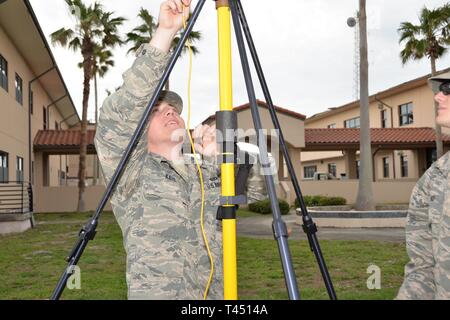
column 326, row 145
column 403, row 140
column 33, row 97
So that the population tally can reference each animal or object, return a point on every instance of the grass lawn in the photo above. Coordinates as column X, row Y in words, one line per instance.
column 32, row 263
column 245, row 213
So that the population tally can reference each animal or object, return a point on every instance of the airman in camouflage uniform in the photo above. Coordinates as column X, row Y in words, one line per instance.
column 427, row 275
column 157, row 201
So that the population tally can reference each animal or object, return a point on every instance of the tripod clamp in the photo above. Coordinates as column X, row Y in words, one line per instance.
column 227, row 124
column 309, row 227
column 87, row 233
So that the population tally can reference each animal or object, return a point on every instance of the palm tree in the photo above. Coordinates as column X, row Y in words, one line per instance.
column 364, row 200
column 93, row 28
column 144, row 32
column 427, row 39
column 102, row 62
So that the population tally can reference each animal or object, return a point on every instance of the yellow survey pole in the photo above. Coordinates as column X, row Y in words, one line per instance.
column 227, row 166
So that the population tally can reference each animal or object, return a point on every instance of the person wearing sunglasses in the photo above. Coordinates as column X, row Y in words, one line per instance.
column 427, row 274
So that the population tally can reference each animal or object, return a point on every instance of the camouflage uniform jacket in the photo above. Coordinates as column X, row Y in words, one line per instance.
column 427, row 275
column 157, row 203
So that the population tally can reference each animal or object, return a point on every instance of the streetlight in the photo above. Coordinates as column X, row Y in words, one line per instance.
column 353, row 22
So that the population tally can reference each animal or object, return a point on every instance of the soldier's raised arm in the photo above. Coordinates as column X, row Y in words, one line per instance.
column 122, row 110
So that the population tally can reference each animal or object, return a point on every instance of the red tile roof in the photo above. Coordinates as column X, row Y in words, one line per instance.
column 388, row 136
column 395, row 137
column 63, row 139
column 264, row 105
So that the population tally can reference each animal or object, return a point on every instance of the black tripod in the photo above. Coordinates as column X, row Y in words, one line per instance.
column 279, row 226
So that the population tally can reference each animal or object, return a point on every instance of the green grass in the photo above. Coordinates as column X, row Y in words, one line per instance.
column 245, row 213
column 347, row 261
column 32, row 263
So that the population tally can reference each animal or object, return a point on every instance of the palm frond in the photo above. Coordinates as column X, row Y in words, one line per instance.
column 75, row 44
column 429, row 38
column 408, row 31
column 62, row 36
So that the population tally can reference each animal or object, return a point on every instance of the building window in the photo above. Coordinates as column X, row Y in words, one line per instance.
column 310, row 171
column 44, row 118
column 3, row 73
column 332, row 126
column 358, row 165
column 31, row 102
column 384, row 119
column 19, row 89
column 19, row 169
column 386, row 167
column 3, row 167
column 56, row 125
column 351, row 123
column 332, row 169
column 406, row 114
column 404, row 166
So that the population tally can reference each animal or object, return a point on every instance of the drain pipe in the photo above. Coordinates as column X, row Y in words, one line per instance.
column 30, row 151
column 51, row 105
column 380, row 106
column 373, row 162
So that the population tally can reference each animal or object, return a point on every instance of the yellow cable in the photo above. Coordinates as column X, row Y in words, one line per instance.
column 205, row 294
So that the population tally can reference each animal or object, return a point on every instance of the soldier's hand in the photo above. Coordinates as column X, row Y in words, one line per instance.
column 171, row 14
column 205, row 140
column 170, row 22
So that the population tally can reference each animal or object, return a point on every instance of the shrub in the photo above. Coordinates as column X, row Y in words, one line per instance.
column 320, row 201
column 263, row 207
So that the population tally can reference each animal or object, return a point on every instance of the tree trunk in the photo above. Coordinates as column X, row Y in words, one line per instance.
column 94, row 182
column 87, row 67
column 364, row 200
column 96, row 97
column 438, row 130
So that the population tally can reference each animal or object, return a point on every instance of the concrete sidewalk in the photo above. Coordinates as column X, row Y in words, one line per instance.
column 261, row 227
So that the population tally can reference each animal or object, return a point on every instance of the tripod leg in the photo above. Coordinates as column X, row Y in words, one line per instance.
column 88, row 232
column 308, row 224
column 279, row 226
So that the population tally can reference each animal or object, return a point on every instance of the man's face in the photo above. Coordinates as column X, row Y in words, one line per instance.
column 443, row 117
column 164, row 121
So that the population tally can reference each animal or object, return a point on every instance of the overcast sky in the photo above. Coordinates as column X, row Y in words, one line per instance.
column 305, row 47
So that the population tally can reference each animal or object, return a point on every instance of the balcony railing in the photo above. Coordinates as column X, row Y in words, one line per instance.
column 16, row 197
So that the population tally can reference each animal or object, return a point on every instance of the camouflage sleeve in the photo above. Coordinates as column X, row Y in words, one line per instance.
column 419, row 279
column 122, row 111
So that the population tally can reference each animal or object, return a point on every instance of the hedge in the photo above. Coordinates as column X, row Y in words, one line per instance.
column 321, row 201
column 263, row 207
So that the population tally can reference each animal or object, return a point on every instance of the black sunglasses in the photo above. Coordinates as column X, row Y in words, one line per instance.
column 445, row 88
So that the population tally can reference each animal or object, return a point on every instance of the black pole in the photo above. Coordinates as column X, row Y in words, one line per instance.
column 309, row 226
column 88, row 231
column 279, row 226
